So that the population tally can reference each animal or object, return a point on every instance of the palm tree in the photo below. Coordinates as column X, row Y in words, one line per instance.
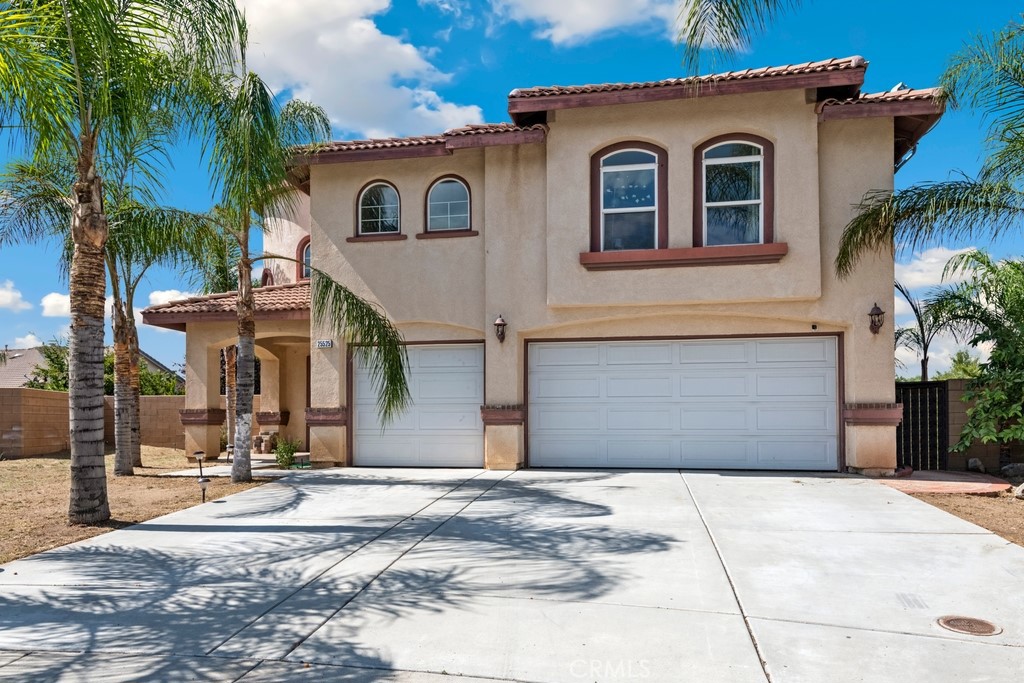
column 73, row 73
column 929, row 322
column 253, row 140
column 723, row 28
column 984, row 76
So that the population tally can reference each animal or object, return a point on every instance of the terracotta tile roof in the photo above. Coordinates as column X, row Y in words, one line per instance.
column 492, row 128
column 421, row 140
column 290, row 297
column 908, row 95
column 844, row 64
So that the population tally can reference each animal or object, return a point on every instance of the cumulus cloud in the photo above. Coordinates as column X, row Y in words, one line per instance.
column 940, row 355
column 56, row 305
column 11, row 299
column 163, row 296
column 925, row 268
column 27, row 342
column 332, row 53
column 574, row 21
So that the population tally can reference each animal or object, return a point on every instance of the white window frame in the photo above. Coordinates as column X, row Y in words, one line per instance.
column 398, row 206
column 653, row 166
column 469, row 205
column 705, row 162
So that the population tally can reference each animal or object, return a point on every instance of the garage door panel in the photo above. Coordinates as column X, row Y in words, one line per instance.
column 715, row 419
column 709, row 384
column 650, row 418
column 442, row 425
column 639, row 387
column 639, row 354
column 702, row 353
column 741, row 404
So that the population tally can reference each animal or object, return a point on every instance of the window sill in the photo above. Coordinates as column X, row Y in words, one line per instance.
column 441, row 234
column 378, row 238
column 694, row 256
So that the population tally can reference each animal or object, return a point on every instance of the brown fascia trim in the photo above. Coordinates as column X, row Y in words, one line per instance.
column 202, row 416
column 744, row 254
column 874, row 414
column 269, row 419
column 378, row 237
column 502, row 415
column 327, row 417
column 177, row 321
column 525, row 105
column 863, row 110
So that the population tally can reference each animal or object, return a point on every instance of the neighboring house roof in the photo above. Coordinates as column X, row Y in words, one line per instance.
column 280, row 302
column 18, row 369
column 836, row 83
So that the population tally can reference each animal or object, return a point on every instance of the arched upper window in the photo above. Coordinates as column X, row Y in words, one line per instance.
column 734, row 191
column 305, row 258
column 629, row 198
column 379, row 210
column 448, row 205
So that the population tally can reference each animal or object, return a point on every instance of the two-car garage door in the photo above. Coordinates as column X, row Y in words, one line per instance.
column 728, row 403
column 721, row 404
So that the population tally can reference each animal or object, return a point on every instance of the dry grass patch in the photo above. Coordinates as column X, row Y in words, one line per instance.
column 34, row 498
column 1003, row 515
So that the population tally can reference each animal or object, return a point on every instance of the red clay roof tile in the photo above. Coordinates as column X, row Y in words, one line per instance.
column 290, row 297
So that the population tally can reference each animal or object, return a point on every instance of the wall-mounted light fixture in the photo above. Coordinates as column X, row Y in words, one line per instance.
column 877, row 316
column 499, row 328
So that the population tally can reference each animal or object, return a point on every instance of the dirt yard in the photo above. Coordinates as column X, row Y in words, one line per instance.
column 34, row 498
column 1002, row 514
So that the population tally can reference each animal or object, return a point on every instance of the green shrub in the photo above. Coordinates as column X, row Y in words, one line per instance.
column 285, row 451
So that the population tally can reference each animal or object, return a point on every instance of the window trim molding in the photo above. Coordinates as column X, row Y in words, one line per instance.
column 426, row 209
column 300, row 264
column 767, row 188
column 359, row 234
column 661, row 187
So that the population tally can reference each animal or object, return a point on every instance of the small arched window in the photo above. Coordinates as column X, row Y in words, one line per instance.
column 734, row 202
column 448, row 205
column 629, row 198
column 379, row 210
column 304, row 255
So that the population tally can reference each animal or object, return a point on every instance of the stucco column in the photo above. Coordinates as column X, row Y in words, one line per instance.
column 202, row 417
column 328, row 414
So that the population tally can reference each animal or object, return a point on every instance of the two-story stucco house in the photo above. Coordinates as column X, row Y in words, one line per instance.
column 661, row 256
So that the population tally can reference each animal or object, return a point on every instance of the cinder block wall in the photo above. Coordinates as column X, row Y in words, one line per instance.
column 987, row 453
column 33, row 422
column 160, row 420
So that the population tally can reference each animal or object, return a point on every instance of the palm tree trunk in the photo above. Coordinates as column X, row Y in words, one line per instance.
column 241, row 467
column 88, row 497
column 123, row 413
column 924, row 368
column 136, row 412
column 230, row 387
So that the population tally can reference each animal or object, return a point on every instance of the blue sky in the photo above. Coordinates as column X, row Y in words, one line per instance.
column 420, row 66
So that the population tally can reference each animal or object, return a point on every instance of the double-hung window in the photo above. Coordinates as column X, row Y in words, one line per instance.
column 734, row 197
column 628, row 197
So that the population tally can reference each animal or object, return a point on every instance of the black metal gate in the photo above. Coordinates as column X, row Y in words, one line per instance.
column 922, row 439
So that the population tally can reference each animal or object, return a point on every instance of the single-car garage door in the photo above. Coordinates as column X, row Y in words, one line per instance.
column 720, row 404
column 441, row 427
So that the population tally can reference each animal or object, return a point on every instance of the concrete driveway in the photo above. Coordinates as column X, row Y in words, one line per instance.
column 422, row 575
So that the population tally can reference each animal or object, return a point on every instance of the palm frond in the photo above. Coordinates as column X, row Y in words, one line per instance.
column 916, row 216
column 35, row 202
column 723, row 28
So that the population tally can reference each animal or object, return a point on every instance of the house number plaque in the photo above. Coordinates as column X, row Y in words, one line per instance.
column 324, row 343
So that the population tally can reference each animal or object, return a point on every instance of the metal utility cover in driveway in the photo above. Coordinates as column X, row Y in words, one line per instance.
column 721, row 404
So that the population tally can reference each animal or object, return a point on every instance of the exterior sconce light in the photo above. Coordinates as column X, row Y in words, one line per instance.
column 877, row 316
column 499, row 328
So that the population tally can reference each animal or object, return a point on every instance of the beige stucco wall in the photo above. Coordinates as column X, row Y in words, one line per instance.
column 531, row 208
column 284, row 232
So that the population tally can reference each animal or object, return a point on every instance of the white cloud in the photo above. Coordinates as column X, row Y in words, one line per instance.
column 56, row 305
column 27, row 342
column 925, row 269
column 333, row 53
column 11, row 299
column 574, row 21
column 900, row 307
column 162, row 296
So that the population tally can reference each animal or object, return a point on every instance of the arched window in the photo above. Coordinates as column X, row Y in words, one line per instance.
column 303, row 254
column 629, row 197
column 448, row 205
column 734, row 197
column 379, row 210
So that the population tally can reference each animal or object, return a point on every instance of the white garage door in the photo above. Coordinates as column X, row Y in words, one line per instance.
column 442, row 426
column 720, row 404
